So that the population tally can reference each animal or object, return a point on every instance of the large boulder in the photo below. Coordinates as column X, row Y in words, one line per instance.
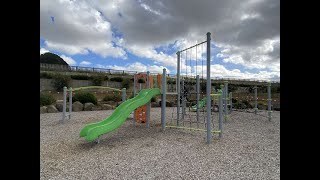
column 110, row 102
column 43, row 109
column 52, row 109
column 59, row 106
column 77, row 106
column 96, row 108
column 154, row 104
column 168, row 104
column 88, row 106
column 106, row 107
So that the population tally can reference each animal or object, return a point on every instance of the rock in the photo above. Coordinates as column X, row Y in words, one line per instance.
column 96, row 108
column 52, row 109
column 59, row 106
column 77, row 106
column 168, row 104
column 88, row 106
column 263, row 107
column 106, row 107
column 110, row 102
column 154, row 104
column 43, row 109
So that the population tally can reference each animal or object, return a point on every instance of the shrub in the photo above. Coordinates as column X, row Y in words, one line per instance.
column 141, row 81
column 46, row 75
column 97, row 80
column 106, row 78
column 80, row 77
column 126, row 83
column 46, row 99
column 59, row 81
column 116, row 79
column 112, row 97
column 84, row 97
column 203, row 87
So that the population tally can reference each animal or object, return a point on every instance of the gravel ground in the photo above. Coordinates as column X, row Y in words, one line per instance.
column 249, row 149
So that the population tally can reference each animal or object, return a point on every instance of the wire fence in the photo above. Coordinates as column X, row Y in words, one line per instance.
column 65, row 68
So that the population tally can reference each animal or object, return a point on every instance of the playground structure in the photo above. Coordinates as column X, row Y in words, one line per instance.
column 140, row 103
column 269, row 101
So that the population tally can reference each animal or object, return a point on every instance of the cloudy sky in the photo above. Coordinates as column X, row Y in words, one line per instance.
column 144, row 35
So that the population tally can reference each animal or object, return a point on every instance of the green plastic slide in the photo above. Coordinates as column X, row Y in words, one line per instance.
column 93, row 130
column 202, row 103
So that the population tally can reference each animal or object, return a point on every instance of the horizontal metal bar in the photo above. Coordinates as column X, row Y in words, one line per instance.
column 192, row 129
column 192, row 46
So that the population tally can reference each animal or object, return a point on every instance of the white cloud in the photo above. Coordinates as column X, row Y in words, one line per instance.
column 68, row 60
column 43, row 50
column 77, row 29
column 85, row 63
column 219, row 71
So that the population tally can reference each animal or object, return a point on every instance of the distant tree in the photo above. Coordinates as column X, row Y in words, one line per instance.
column 50, row 58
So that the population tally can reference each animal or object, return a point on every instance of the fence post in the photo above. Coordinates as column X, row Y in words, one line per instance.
column 149, row 103
column 269, row 102
column 70, row 102
column 64, row 108
column 178, row 87
column 163, row 101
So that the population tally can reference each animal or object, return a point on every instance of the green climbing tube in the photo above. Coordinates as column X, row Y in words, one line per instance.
column 93, row 130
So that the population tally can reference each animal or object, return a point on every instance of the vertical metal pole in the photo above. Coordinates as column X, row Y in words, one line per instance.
column 198, row 97
column 134, row 95
column 223, row 97
column 64, row 108
column 255, row 99
column 225, row 100
column 230, row 100
column 123, row 97
column 269, row 102
column 149, row 103
column 183, row 99
column 220, row 115
column 178, row 87
column 209, row 135
column 70, row 102
column 163, row 101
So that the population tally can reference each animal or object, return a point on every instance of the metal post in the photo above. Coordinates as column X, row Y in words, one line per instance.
column 230, row 100
column 223, row 95
column 183, row 99
column 269, row 102
column 226, row 100
column 123, row 97
column 178, row 87
column 134, row 95
column 163, row 100
column 220, row 115
column 64, row 108
column 198, row 97
column 70, row 102
column 149, row 103
column 209, row 135
column 255, row 99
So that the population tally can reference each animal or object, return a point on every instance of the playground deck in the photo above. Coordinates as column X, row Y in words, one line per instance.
column 249, row 149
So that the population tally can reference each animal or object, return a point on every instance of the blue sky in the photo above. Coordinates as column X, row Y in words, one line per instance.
column 145, row 35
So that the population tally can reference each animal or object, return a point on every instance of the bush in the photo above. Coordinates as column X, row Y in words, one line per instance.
column 116, row 79
column 141, row 81
column 46, row 99
column 126, row 83
column 46, row 75
column 97, row 80
column 80, row 77
column 60, row 81
column 203, row 87
column 106, row 78
column 84, row 97
column 113, row 97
